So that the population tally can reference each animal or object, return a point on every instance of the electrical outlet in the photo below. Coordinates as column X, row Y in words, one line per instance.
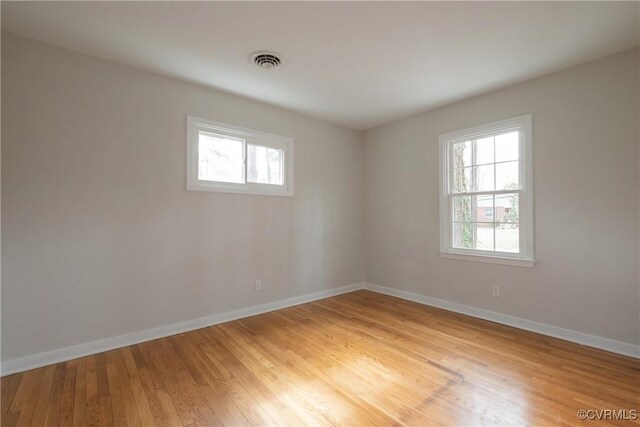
column 258, row 285
column 495, row 290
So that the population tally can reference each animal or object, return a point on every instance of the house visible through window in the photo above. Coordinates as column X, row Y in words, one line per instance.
column 228, row 158
column 486, row 200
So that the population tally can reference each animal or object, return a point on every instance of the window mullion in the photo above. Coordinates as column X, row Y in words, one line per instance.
column 495, row 184
column 244, row 160
column 494, row 222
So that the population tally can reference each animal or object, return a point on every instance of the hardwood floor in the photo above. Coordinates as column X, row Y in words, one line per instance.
column 356, row 359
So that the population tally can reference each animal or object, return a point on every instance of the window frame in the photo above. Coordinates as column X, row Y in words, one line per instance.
column 525, row 258
column 250, row 137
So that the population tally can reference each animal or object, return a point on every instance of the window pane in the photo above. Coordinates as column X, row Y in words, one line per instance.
column 462, row 180
column 507, row 147
column 264, row 165
column 484, row 236
column 507, row 208
column 483, row 207
column 507, row 177
column 462, row 154
column 474, row 235
column 475, row 178
column 463, row 235
column 462, row 208
column 508, row 238
column 484, row 151
column 473, row 208
column 220, row 158
column 483, row 178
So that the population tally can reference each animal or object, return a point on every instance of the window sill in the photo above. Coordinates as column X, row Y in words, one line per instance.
column 516, row 262
column 260, row 191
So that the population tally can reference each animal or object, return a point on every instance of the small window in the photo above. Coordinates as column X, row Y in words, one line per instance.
column 228, row 158
column 486, row 203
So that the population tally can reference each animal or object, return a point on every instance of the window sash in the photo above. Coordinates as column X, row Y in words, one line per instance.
column 521, row 230
column 475, row 137
column 486, row 193
column 452, row 192
column 245, row 163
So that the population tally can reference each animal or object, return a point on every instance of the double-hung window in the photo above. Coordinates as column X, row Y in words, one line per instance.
column 233, row 159
column 486, row 197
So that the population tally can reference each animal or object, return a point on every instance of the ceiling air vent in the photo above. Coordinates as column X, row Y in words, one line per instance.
column 266, row 60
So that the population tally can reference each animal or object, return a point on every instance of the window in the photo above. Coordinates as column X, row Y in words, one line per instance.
column 228, row 158
column 486, row 198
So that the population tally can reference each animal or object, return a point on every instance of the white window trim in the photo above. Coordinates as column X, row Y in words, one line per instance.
column 524, row 259
column 251, row 136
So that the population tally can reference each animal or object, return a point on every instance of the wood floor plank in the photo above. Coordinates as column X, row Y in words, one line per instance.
column 42, row 405
column 214, row 388
column 117, row 401
column 55, row 395
column 80, row 403
column 8, row 391
column 25, row 399
column 159, row 417
column 172, row 418
column 357, row 359
column 124, row 381
column 67, row 399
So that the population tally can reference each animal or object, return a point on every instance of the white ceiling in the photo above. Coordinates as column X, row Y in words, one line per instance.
column 359, row 64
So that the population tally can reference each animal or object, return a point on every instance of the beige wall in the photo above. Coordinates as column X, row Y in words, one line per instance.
column 100, row 236
column 586, row 139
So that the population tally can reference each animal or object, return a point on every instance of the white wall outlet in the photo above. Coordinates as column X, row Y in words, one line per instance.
column 258, row 285
column 495, row 290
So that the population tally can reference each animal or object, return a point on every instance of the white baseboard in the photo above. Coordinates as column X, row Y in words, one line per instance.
column 613, row 346
column 93, row 347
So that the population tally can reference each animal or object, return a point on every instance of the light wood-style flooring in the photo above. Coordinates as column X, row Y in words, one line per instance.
column 357, row 359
